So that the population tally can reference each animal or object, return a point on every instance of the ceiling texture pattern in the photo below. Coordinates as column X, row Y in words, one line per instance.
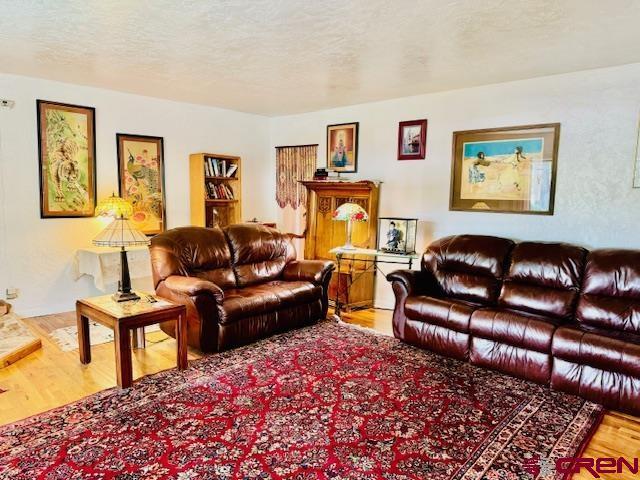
column 276, row 57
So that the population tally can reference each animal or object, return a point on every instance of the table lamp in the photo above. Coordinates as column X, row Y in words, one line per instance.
column 350, row 212
column 120, row 233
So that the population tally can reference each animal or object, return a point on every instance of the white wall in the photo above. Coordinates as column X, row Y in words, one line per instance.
column 36, row 254
column 595, row 205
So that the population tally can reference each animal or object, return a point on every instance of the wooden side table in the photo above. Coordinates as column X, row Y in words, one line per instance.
column 122, row 318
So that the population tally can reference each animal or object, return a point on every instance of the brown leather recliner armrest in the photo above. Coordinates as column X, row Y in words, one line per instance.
column 415, row 282
column 313, row 271
column 193, row 286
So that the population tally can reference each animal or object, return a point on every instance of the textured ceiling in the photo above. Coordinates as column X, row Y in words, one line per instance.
column 276, row 57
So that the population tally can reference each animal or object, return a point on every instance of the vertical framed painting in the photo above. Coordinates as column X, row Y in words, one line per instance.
column 412, row 140
column 66, row 159
column 342, row 147
column 509, row 170
column 141, row 180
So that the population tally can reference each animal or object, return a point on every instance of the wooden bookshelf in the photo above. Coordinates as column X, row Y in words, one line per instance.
column 203, row 186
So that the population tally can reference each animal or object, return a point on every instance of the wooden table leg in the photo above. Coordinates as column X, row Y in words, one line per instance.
column 124, row 370
column 181, row 339
column 84, row 341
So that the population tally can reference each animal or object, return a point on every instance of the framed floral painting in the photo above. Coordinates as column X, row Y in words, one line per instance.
column 511, row 169
column 141, row 180
column 67, row 159
column 342, row 147
column 412, row 140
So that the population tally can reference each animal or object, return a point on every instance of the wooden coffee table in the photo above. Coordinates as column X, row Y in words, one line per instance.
column 122, row 318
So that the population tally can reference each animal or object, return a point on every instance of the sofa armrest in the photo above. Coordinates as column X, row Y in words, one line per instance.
column 314, row 271
column 193, row 286
column 415, row 282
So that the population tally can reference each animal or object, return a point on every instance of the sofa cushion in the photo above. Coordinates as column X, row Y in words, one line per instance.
column 468, row 267
column 192, row 252
column 610, row 295
column 444, row 312
column 259, row 253
column 266, row 297
column 544, row 278
column 604, row 349
column 518, row 329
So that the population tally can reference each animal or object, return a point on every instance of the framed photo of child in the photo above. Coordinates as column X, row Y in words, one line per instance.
column 342, row 147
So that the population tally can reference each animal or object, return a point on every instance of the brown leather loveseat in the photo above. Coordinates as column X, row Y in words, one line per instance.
column 552, row 313
column 239, row 283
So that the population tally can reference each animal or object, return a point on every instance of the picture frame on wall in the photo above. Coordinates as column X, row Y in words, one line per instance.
column 506, row 170
column 141, row 180
column 66, row 159
column 412, row 140
column 342, row 147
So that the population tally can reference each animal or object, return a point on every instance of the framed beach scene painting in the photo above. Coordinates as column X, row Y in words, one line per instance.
column 508, row 169
column 342, row 147
column 141, row 172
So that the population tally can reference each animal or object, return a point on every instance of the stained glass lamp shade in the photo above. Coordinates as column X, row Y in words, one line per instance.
column 350, row 212
column 114, row 206
column 121, row 233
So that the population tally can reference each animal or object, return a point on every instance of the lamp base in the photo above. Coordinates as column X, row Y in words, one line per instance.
column 124, row 296
column 348, row 246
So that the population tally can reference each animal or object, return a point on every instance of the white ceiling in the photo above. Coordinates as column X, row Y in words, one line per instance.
column 277, row 57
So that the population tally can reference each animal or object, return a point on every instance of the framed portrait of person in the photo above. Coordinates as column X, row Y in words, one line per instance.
column 342, row 147
column 508, row 170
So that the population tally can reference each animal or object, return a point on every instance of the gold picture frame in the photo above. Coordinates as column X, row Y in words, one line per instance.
column 505, row 170
column 342, row 147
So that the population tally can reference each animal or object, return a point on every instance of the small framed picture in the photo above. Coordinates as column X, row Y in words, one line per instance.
column 141, row 172
column 342, row 147
column 397, row 235
column 412, row 140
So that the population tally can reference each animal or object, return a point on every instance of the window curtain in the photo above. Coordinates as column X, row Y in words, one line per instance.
column 293, row 164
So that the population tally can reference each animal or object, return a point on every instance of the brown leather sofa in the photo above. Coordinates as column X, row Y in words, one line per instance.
column 552, row 313
column 239, row 284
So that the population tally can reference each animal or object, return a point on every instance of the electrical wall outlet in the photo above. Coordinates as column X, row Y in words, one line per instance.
column 12, row 293
column 6, row 103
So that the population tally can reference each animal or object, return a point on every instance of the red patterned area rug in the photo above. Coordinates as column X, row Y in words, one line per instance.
column 326, row 402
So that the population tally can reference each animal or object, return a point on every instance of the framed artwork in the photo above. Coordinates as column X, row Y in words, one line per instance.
column 397, row 235
column 342, row 147
column 510, row 169
column 67, row 159
column 141, row 180
column 412, row 140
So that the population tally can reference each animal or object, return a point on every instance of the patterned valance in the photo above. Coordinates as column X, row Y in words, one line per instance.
column 292, row 165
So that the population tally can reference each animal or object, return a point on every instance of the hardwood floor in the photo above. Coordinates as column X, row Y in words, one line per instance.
column 50, row 377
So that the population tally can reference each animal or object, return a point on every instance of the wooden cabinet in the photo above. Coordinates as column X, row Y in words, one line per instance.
column 216, row 196
column 323, row 234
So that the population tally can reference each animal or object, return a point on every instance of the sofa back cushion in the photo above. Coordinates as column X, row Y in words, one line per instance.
column 468, row 267
column 610, row 295
column 259, row 253
column 192, row 252
column 544, row 278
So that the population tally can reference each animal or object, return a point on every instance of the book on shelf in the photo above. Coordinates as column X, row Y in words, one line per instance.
column 214, row 167
column 219, row 191
column 232, row 169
